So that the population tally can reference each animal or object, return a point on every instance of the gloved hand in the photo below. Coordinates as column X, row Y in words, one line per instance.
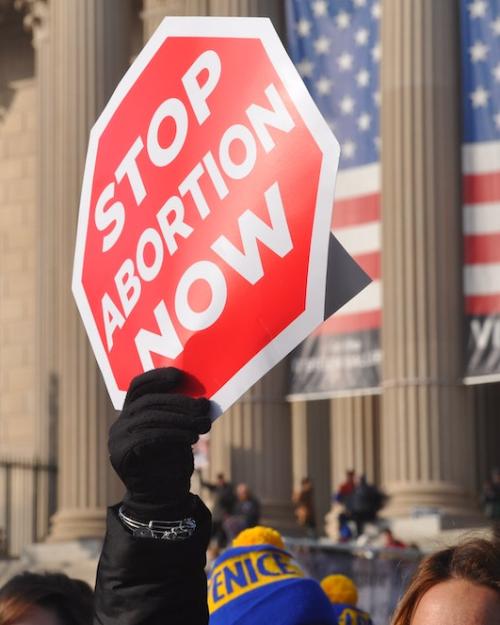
column 150, row 445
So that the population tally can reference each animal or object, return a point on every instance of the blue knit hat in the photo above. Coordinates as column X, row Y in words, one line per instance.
column 261, row 584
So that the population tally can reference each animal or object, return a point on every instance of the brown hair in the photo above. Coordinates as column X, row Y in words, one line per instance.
column 477, row 560
column 71, row 600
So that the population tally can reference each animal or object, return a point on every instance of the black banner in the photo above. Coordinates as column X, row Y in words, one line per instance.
column 483, row 346
column 329, row 364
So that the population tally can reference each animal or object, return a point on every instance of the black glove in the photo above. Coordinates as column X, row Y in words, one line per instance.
column 150, row 445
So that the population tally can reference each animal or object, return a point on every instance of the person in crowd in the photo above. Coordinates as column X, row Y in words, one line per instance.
column 491, row 496
column 347, row 487
column 340, row 497
column 459, row 585
column 343, row 595
column 345, row 534
column 152, row 565
column 390, row 541
column 46, row 599
column 257, row 581
column 303, row 502
column 224, row 502
column 246, row 511
column 364, row 503
column 247, row 506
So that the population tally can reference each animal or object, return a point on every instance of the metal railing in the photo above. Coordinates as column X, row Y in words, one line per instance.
column 381, row 574
column 27, row 501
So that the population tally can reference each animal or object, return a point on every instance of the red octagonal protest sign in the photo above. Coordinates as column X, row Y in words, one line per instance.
column 205, row 212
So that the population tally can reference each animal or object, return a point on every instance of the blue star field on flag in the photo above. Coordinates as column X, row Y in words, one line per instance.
column 335, row 46
column 481, row 69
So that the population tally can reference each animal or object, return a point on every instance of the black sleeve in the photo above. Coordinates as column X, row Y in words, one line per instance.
column 146, row 581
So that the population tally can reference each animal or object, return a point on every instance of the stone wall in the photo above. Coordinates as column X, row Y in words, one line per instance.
column 17, row 242
column 18, row 146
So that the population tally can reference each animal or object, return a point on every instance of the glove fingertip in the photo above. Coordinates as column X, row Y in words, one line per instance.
column 203, row 406
column 203, row 424
column 161, row 380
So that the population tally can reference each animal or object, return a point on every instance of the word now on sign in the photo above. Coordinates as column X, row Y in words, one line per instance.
column 206, row 208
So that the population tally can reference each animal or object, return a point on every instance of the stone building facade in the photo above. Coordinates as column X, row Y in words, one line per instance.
column 427, row 439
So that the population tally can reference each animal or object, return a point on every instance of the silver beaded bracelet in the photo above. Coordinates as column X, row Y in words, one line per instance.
column 162, row 530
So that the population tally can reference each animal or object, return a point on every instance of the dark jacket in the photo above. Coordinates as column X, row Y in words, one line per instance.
column 366, row 500
column 248, row 511
column 146, row 581
column 224, row 499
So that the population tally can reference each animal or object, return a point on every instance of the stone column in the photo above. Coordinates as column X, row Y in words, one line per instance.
column 484, row 400
column 256, row 8
column 251, row 442
column 427, row 432
column 89, row 53
column 37, row 20
column 258, row 427
column 354, row 437
column 155, row 10
column 354, row 444
column 311, row 451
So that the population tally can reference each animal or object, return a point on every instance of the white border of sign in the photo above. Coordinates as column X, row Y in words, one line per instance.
column 243, row 28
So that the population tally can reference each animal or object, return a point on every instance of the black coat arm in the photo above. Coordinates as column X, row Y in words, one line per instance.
column 146, row 581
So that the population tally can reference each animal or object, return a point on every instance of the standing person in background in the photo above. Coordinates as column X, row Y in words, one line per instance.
column 491, row 496
column 347, row 487
column 364, row 504
column 342, row 495
column 303, row 501
column 247, row 506
column 246, row 512
column 224, row 502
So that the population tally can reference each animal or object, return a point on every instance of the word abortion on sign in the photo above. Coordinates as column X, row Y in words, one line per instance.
column 204, row 221
column 171, row 223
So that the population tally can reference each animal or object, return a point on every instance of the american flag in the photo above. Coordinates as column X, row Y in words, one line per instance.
column 335, row 46
column 481, row 155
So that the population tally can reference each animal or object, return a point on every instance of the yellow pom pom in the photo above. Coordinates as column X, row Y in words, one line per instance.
column 259, row 535
column 340, row 589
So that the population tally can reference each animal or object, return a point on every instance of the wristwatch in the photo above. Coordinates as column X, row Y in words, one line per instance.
column 162, row 530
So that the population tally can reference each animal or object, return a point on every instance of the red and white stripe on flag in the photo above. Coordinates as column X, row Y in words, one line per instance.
column 481, row 198
column 356, row 224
